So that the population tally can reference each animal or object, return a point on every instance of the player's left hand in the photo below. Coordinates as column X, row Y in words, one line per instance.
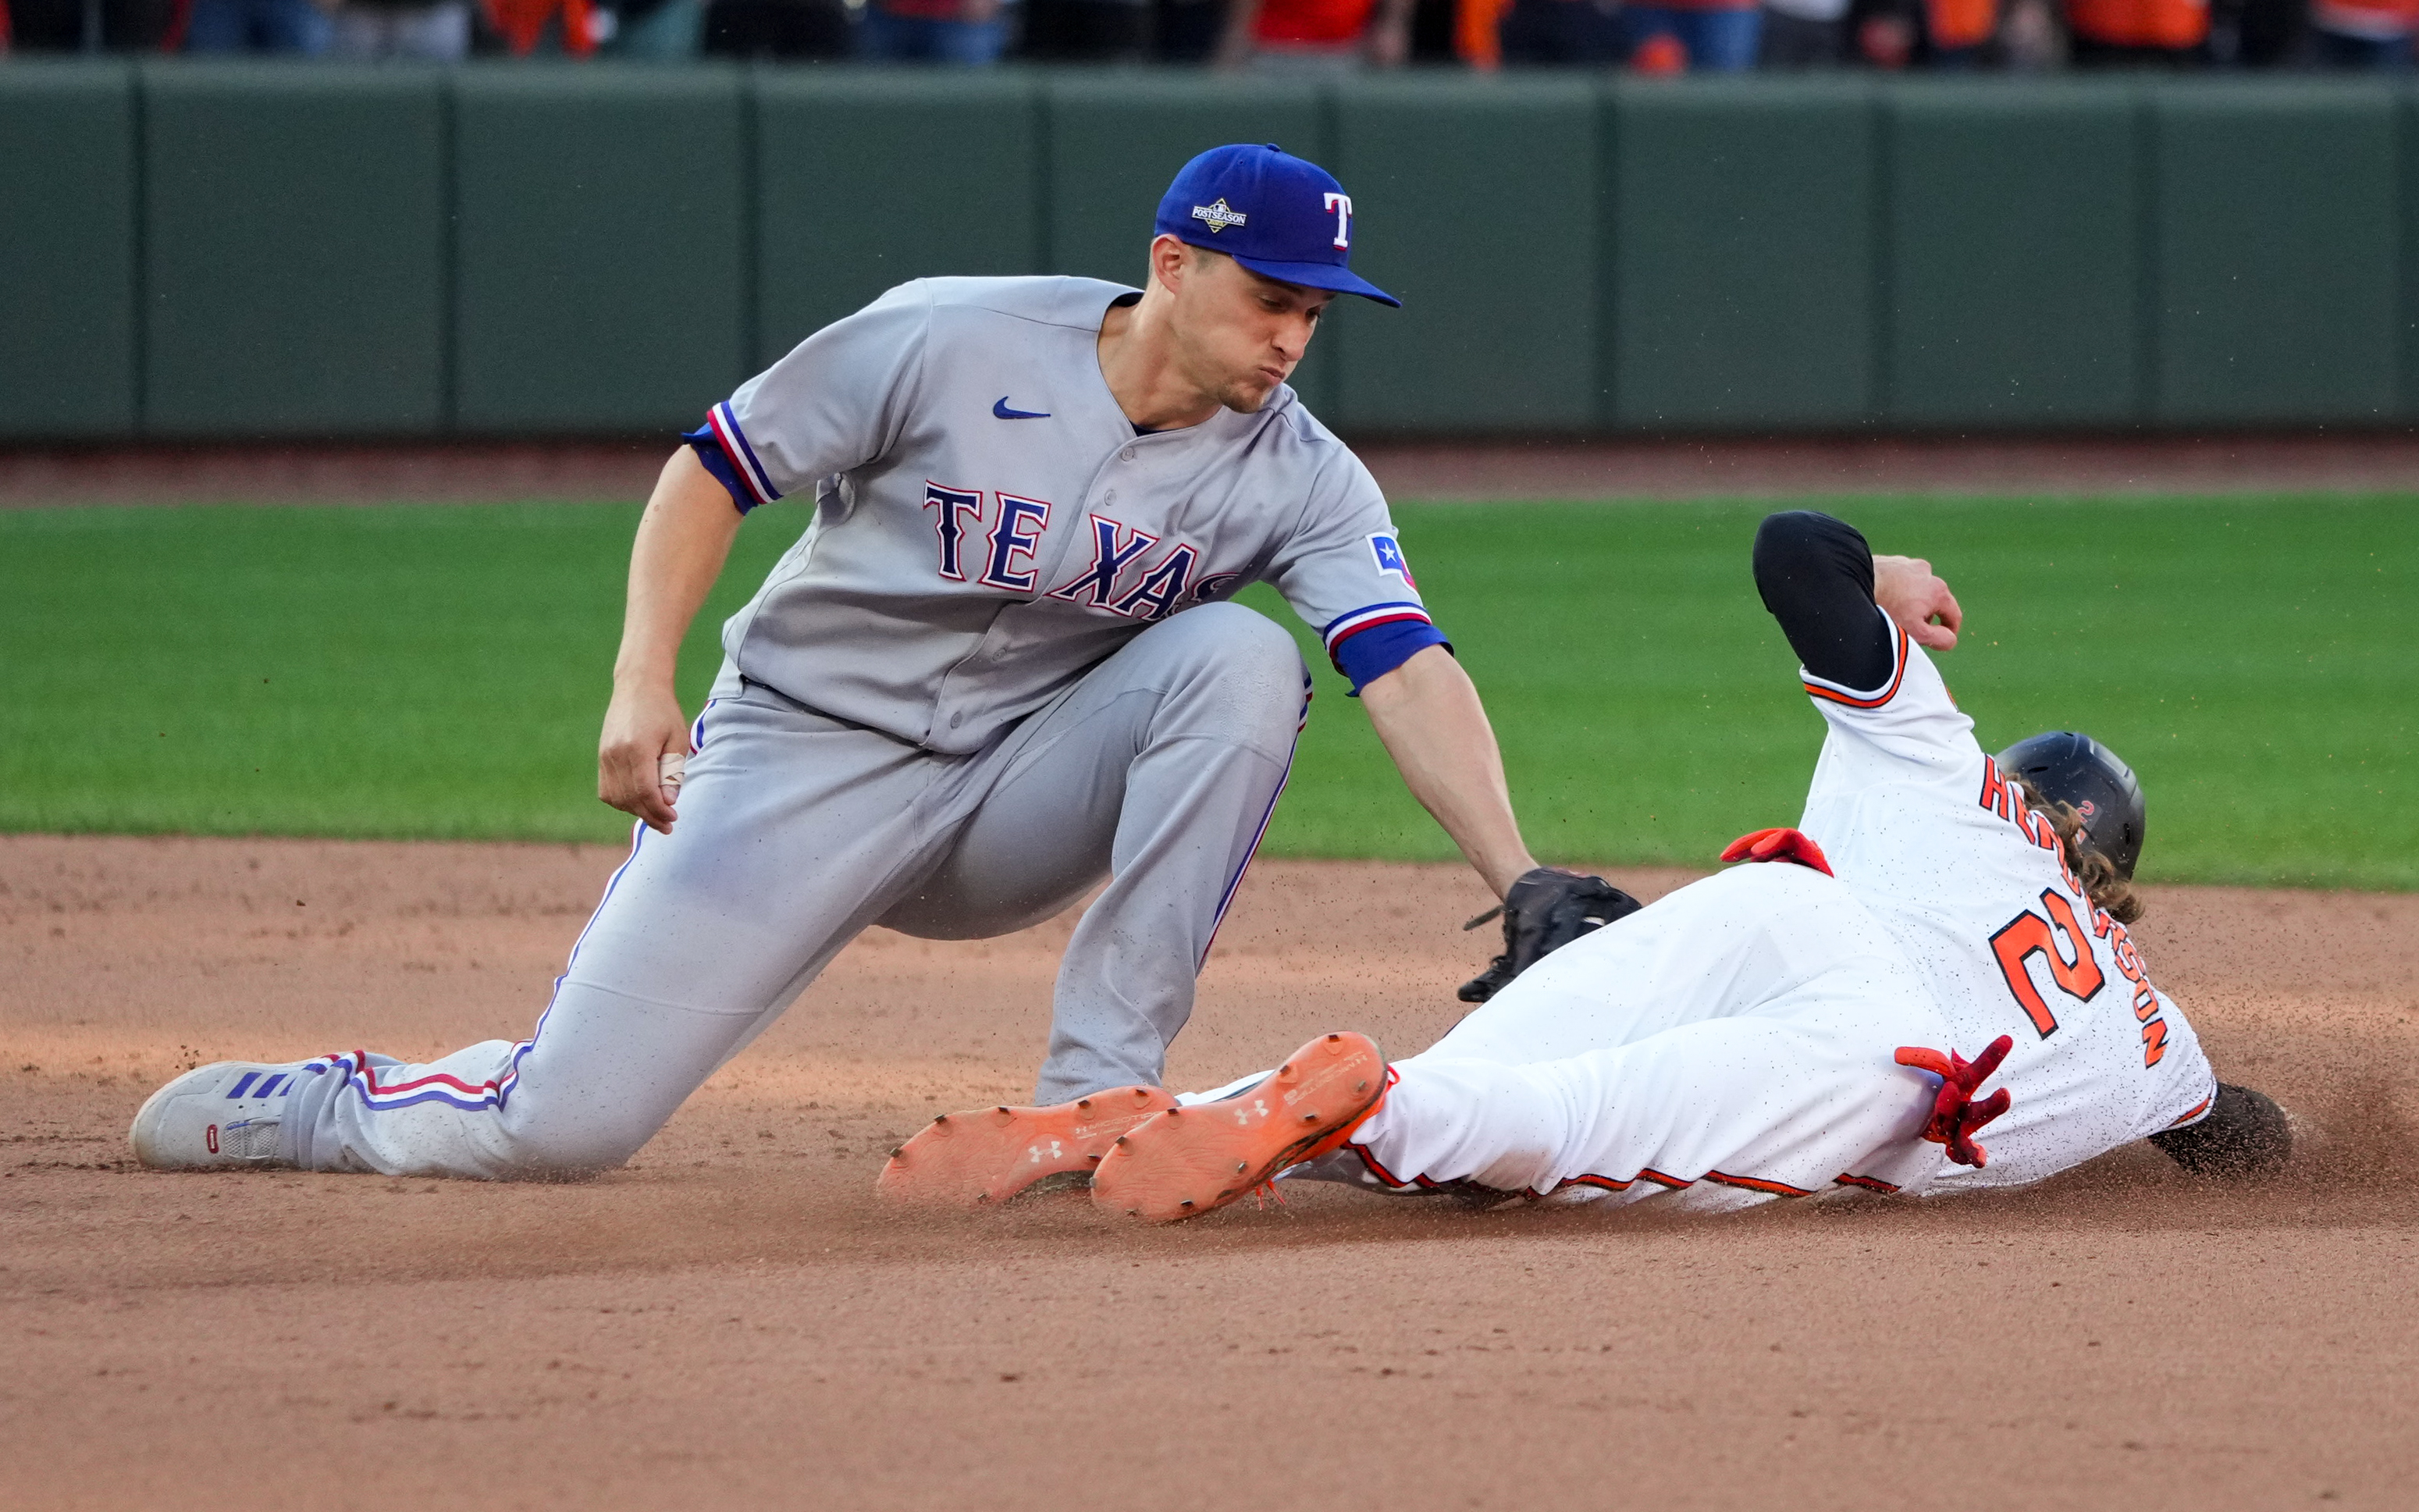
column 1922, row 604
column 1545, row 910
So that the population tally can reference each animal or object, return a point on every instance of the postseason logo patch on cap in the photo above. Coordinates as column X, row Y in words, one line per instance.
column 1298, row 225
column 1219, row 216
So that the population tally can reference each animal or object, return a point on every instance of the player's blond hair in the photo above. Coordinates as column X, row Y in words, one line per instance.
column 2102, row 883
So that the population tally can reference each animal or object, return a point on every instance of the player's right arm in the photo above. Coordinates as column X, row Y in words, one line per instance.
column 683, row 540
column 1857, row 622
column 835, row 402
column 1822, row 582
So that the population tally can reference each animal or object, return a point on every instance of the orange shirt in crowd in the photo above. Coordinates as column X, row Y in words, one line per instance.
column 1961, row 22
column 2174, row 25
column 1478, row 33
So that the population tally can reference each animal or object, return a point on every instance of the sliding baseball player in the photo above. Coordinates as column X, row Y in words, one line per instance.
column 1778, row 1029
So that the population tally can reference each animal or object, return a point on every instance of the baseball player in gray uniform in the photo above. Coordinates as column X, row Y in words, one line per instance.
column 1000, row 665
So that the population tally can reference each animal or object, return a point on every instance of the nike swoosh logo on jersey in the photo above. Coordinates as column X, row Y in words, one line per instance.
column 999, row 407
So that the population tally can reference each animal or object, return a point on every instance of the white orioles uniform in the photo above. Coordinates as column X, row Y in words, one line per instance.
column 1927, row 834
column 1734, row 1040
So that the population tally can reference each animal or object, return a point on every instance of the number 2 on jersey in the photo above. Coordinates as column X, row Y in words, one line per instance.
column 2074, row 970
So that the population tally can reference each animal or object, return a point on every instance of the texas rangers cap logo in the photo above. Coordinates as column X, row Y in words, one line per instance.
column 1219, row 216
column 1299, row 228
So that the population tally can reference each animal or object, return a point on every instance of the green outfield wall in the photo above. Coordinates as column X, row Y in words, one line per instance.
column 239, row 252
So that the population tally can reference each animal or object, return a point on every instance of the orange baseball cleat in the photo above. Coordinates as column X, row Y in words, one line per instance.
column 965, row 1160
column 1189, row 1160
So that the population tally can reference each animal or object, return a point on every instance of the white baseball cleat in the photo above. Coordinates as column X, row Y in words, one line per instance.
column 215, row 1117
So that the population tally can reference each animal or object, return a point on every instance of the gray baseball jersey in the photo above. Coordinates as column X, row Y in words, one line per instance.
column 989, row 525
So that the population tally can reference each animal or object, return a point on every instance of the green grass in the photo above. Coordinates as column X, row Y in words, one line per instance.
column 2256, row 660
column 440, row 671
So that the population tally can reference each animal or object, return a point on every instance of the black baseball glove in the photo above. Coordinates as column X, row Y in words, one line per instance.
column 1543, row 912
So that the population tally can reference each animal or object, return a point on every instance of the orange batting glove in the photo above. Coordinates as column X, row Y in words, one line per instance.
column 1955, row 1114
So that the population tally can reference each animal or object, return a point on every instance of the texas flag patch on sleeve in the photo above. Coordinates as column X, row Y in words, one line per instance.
column 1388, row 552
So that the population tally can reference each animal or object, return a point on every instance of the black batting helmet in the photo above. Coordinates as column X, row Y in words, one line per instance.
column 2065, row 767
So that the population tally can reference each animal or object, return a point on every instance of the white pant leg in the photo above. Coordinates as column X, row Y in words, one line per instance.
column 1710, row 948
column 1787, row 1100
column 1713, row 948
column 1739, row 1033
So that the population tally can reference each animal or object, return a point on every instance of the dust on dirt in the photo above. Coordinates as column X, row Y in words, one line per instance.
column 733, row 1317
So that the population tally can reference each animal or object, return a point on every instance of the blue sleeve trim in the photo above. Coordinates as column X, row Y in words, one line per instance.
column 1381, row 648
column 717, row 461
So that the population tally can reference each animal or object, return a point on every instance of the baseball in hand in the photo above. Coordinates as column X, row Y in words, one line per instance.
column 670, row 768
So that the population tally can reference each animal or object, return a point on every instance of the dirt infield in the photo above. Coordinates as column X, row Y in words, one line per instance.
column 732, row 1317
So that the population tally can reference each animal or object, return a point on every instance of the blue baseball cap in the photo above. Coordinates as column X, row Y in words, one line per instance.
column 1276, row 214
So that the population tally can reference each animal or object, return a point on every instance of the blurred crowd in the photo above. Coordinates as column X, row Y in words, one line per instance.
column 1299, row 36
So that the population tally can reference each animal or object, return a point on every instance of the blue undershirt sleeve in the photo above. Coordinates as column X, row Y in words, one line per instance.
column 709, row 451
column 1373, row 653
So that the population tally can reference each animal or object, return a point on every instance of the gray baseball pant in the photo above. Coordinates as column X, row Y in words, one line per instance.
column 1158, row 769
